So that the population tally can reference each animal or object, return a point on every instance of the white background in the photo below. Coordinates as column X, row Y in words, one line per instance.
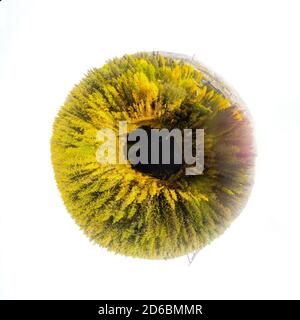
column 47, row 46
